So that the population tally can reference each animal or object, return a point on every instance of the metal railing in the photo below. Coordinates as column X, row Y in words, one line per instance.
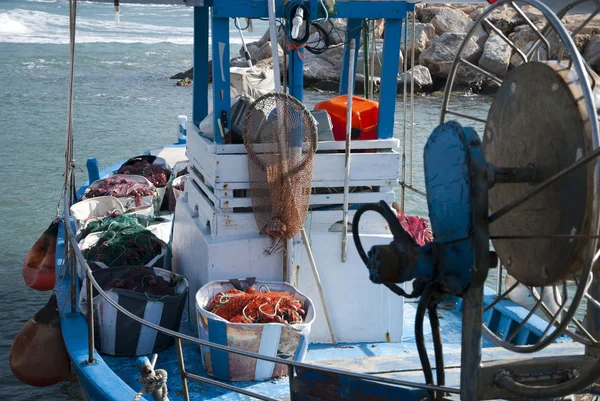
column 75, row 257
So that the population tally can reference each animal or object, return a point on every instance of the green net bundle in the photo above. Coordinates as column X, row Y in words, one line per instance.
column 116, row 221
column 132, row 246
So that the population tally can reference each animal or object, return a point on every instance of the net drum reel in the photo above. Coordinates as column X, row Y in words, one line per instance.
column 530, row 183
column 539, row 124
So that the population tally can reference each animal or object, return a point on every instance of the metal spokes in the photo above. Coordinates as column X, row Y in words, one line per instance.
column 552, row 52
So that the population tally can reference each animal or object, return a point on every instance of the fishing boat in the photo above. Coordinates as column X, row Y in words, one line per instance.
column 256, row 198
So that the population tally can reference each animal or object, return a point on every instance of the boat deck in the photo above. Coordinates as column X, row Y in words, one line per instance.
column 395, row 360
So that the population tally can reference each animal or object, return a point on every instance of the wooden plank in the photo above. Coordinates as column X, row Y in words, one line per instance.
column 321, row 386
column 227, row 203
column 384, row 185
column 409, row 362
column 327, row 167
column 318, row 386
column 323, row 146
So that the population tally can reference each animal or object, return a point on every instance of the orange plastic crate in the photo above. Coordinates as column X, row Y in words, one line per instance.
column 364, row 117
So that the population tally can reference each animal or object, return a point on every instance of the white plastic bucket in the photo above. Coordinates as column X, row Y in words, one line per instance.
column 93, row 208
column 272, row 339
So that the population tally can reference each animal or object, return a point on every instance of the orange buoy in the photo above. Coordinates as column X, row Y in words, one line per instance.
column 40, row 263
column 38, row 356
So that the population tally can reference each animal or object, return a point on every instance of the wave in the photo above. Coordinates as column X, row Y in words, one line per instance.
column 30, row 26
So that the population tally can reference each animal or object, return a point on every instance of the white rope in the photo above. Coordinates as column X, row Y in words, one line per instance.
column 154, row 383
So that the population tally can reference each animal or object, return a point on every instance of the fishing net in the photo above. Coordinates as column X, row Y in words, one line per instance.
column 280, row 136
column 156, row 174
column 120, row 187
column 417, row 227
column 132, row 246
column 254, row 306
column 143, row 280
column 117, row 221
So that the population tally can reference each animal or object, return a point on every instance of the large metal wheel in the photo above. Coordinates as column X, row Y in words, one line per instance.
column 544, row 227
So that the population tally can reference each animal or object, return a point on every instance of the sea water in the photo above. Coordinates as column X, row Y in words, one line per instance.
column 124, row 103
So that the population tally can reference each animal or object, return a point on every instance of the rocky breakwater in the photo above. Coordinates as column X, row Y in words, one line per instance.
column 439, row 33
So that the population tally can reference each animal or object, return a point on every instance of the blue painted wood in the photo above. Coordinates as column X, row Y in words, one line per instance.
column 217, row 333
column 220, row 74
column 93, row 169
column 353, row 29
column 344, row 9
column 296, row 73
column 200, row 88
column 389, row 77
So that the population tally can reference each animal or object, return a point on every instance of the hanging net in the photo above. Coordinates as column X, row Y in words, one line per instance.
column 257, row 306
column 280, row 136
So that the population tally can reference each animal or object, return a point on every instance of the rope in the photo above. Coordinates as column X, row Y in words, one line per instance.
column 293, row 46
column 153, row 383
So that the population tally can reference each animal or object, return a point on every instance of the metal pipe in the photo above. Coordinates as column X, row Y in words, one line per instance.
column 404, row 68
column 90, row 318
column 499, row 282
column 348, row 149
column 372, row 62
column 182, row 372
column 412, row 98
column 274, row 45
column 319, row 287
column 561, row 174
column 366, row 58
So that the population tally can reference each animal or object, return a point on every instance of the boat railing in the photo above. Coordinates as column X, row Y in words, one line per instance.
column 75, row 255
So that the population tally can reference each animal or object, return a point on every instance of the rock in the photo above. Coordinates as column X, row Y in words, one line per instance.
column 438, row 58
column 186, row 74
column 425, row 13
column 496, row 55
column 323, row 70
column 377, row 67
column 449, row 20
column 474, row 80
column 505, row 19
column 592, row 49
column 522, row 35
column 265, row 51
column 480, row 35
column 422, row 77
column 556, row 44
column 185, row 82
column 424, row 35
column 516, row 58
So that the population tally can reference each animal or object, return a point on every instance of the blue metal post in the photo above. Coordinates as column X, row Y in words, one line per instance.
column 389, row 77
column 353, row 30
column 296, row 73
column 93, row 170
column 200, row 88
column 220, row 74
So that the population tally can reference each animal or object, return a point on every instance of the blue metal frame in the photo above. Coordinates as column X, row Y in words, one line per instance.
column 356, row 11
column 200, row 88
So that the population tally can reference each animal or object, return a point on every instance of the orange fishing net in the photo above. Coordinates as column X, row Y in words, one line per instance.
column 254, row 306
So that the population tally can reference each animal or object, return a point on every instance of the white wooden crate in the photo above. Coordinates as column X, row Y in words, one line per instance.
column 228, row 164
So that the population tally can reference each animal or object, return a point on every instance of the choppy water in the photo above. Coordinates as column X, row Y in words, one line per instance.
column 124, row 104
